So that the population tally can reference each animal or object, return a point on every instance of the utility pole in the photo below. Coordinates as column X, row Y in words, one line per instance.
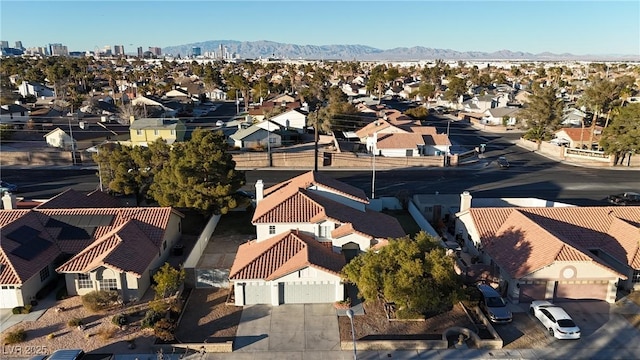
column 315, row 130
column 373, row 175
column 269, row 142
column 73, row 148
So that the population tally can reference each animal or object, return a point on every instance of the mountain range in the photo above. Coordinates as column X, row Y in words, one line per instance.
column 270, row 49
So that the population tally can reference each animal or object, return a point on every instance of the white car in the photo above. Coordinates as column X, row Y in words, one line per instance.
column 557, row 322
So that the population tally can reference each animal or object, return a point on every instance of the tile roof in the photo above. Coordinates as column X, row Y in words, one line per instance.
column 400, row 141
column 122, row 238
column 372, row 127
column 74, row 199
column 126, row 249
column 574, row 133
column 304, row 206
column 526, row 239
column 15, row 270
column 281, row 255
column 312, row 178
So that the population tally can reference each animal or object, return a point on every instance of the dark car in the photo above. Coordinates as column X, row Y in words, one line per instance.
column 626, row 198
column 493, row 305
column 503, row 162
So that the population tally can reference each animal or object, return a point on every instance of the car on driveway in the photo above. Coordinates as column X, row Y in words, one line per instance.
column 626, row 198
column 503, row 162
column 555, row 320
column 493, row 305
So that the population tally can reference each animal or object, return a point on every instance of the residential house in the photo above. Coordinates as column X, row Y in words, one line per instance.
column 151, row 103
column 85, row 135
column 95, row 249
column 294, row 119
column 498, row 115
column 420, row 141
column 580, row 137
column 259, row 135
column 306, row 227
column 573, row 118
column 13, row 114
column 145, row 131
column 38, row 90
column 558, row 253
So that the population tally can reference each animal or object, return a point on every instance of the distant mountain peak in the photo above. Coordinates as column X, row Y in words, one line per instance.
column 267, row 48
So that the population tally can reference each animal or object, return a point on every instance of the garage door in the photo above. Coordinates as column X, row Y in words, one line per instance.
column 305, row 293
column 8, row 298
column 255, row 293
column 580, row 290
column 530, row 292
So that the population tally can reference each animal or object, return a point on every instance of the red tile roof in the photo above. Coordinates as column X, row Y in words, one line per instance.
column 130, row 241
column 312, row 178
column 523, row 240
column 281, row 255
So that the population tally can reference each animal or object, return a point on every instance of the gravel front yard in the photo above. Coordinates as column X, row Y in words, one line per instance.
column 208, row 318
column 375, row 326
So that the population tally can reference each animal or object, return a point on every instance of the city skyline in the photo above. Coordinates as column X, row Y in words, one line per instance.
column 576, row 27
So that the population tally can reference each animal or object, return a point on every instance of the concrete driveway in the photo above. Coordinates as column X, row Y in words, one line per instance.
column 292, row 327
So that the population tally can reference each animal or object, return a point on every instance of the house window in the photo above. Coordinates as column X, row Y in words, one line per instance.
column 139, row 132
column 323, row 231
column 84, row 282
column 156, row 132
column 272, row 229
column 108, row 284
column 409, row 152
column 44, row 273
column 635, row 278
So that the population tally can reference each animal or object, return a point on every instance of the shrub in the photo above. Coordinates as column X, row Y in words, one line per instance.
column 51, row 336
column 119, row 320
column 405, row 314
column 27, row 309
column 107, row 333
column 75, row 322
column 17, row 310
column 151, row 318
column 163, row 329
column 97, row 301
column 16, row 336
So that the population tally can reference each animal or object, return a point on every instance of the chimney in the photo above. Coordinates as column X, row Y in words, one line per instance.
column 9, row 201
column 465, row 201
column 259, row 190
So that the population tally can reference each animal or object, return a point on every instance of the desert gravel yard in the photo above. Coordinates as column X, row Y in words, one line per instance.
column 207, row 318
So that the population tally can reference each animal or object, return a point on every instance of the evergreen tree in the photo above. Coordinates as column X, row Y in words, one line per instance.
column 414, row 274
column 542, row 114
column 622, row 136
column 199, row 174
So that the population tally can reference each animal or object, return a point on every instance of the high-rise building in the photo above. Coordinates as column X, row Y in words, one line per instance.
column 140, row 52
column 118, row 50
column 155, row 50
column 19, row 45
column 4, row 44
column 58, row 50
column 220, row 51
column 196, row 51
column 106, row 50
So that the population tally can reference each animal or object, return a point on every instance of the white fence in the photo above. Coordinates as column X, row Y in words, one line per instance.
column 421, row 221
column 201, row 244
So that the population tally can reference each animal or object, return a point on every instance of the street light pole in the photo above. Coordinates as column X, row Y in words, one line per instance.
column 373, row 175
column 269, row 142
column 353, row 333
column 73, row 148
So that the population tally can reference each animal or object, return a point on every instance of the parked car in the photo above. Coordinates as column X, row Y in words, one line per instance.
column 557, row 322
column 66, row 354
column 7, row 187
column 220, row 123
column 626, row 198
column 503, row 162
column 493, row 305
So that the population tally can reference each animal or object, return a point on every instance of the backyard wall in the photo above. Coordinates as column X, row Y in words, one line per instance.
column 421, row 221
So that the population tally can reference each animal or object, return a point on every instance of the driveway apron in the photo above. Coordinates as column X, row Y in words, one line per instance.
column 291, row 327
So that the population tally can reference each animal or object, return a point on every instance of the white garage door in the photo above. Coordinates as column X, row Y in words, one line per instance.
column 255, row 293
column 8, row 298
column 583, row 290
column 305, row 293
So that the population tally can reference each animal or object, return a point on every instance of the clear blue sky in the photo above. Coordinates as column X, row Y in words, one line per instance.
column 577, row 27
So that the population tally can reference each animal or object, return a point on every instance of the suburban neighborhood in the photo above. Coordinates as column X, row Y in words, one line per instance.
column 179, row 250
